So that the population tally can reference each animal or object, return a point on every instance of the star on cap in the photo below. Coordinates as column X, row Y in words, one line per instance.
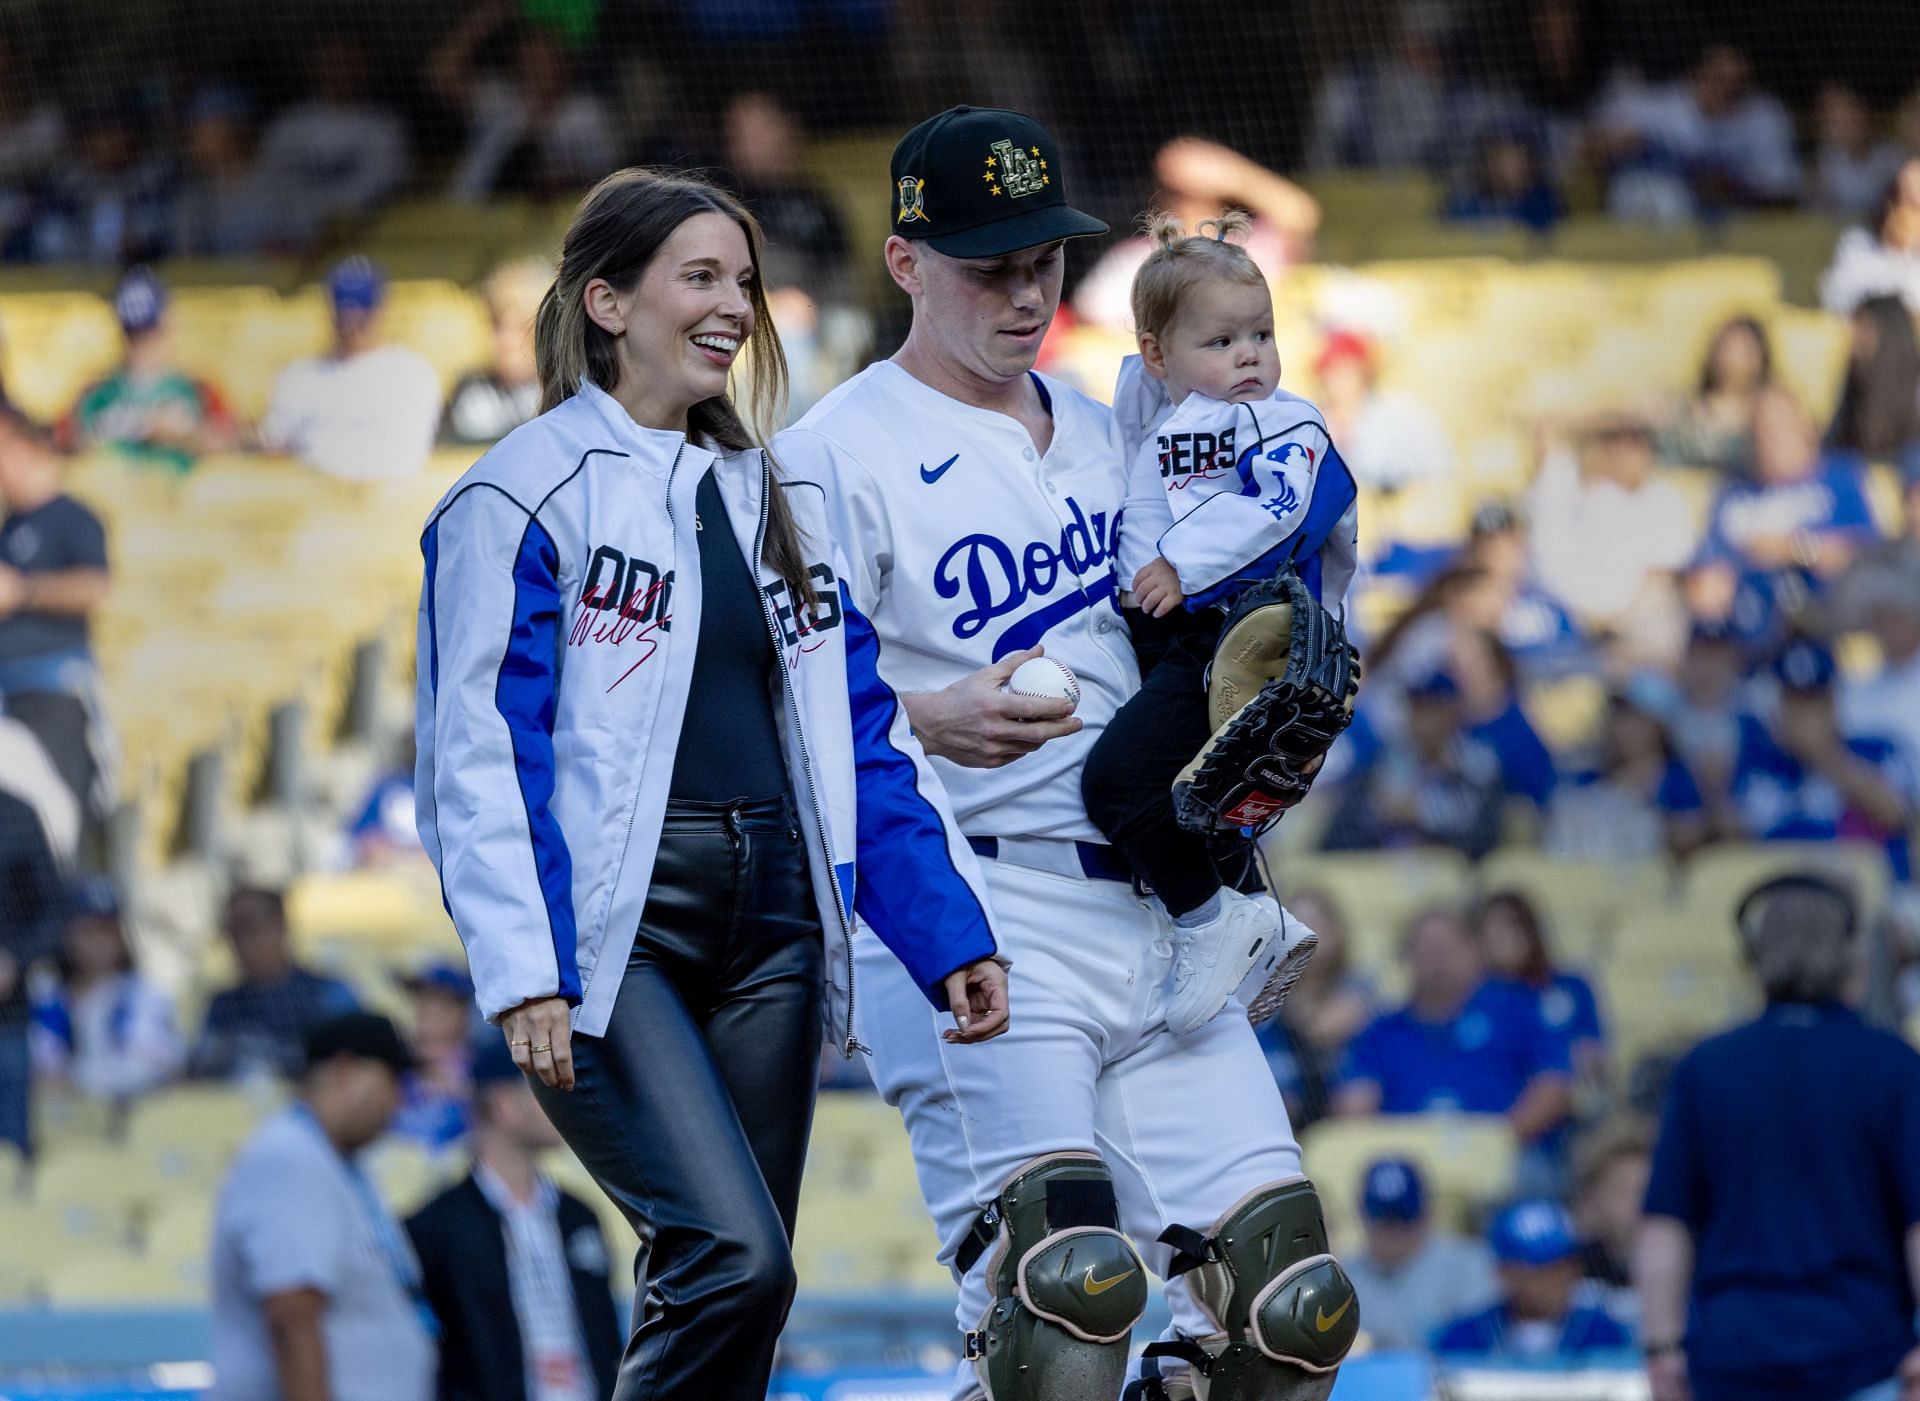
column 994, row 190
column 1034, row 149
column 991, row 162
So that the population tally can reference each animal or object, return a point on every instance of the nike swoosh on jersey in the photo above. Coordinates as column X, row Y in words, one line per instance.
column 935, row 474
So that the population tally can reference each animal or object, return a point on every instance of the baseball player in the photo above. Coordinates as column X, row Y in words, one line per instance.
column 978, row 502
column 1231, row 480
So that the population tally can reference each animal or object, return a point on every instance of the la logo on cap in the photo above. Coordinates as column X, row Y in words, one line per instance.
column 910, row 207
column 1018, row 172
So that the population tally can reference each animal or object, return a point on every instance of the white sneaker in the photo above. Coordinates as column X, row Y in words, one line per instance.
column 1211, row 960
column 1279, row 968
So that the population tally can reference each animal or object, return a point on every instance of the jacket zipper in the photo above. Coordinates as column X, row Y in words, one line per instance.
column 633, row 811
column 806, row 760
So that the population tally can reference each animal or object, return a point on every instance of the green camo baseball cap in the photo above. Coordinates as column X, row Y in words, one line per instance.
column 976, row 182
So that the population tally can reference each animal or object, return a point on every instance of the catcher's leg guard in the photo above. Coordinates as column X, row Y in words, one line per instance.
column 1285, row 1310
column 1067, row 1286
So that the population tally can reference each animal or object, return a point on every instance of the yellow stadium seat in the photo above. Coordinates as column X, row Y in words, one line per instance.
column 442, row 321
column 181, row 1229
column 1467, row 1159
column 1664, row 1006
column 1799, row 244
column 876, row 1236
column 1810, row 355
column 407, row 1174
column 97, row 1192
column 1718, row 878
column 436, row 222
column 1365, row 199
column 186, row 1135
column 1598, row 239
column 52, row 346
column 396, row 907
column 1581, row 902
column 1566, row 711
column 123, row 1278
column 1378, row 891
column 1435, row 238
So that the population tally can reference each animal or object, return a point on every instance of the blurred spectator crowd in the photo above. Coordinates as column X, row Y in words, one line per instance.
column 1685, row 621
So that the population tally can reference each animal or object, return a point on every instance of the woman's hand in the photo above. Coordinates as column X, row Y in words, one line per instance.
column 1156, row 588
column 977, row 995
column 540, row 1037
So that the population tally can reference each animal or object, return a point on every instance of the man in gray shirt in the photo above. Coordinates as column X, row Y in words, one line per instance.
column 316, row 1292
column 1412, row 1276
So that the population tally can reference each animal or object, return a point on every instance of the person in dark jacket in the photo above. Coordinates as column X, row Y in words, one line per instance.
column 32, row 921
column 516, row 1270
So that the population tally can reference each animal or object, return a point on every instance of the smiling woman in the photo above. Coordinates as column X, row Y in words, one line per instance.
column 654, row 872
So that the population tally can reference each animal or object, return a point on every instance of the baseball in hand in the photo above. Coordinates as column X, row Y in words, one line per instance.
column 1044, row 679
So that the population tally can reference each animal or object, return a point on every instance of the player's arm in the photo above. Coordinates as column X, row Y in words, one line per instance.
column 294, row 1319
column 917, row 885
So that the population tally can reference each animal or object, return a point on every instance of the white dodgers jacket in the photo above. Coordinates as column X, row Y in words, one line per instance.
column 1227, row 493
column 556, row 650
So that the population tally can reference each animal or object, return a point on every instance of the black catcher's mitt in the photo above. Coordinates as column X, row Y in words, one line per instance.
column 1279, row 693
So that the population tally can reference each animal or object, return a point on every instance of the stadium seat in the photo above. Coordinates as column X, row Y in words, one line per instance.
column 1378, row 891
column 1799, row 243
column 395, row 908
column 181, row 1229
column 97, row 1192
column 1581, row 902
column 186, row 1135
column 1468, row 1160
column 101, row 1278
column 1718, row 878
column 407, row 1174
column 1662, row 1006
column 442, row 321
column 52, row 346
column 1810, row 353
column 1596, row 238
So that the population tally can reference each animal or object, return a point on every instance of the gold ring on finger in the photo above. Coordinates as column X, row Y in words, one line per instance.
column 543, row 1046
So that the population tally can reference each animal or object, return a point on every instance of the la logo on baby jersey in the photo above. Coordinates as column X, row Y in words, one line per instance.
column 804, row 630
column 1189, row 457
column 997, row 580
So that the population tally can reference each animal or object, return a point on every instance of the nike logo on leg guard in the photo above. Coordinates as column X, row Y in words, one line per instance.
column 930, row 476
column 1101, row 1286
column 1323, row 1322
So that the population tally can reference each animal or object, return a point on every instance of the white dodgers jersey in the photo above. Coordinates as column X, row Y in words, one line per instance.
column 964, row 543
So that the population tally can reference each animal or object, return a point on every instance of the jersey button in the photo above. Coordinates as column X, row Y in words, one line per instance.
column 1050, row 485
column 1027, row 453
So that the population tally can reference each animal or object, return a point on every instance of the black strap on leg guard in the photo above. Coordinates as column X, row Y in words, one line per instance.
column 1191, row 1250
column 1070, row 1203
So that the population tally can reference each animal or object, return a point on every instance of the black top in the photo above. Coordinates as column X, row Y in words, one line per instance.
column 729, row 744
column 62, row 534
column 461, row 1243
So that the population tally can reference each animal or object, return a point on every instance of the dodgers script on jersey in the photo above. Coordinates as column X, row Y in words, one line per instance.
column 1226, row 493
column 967, row 544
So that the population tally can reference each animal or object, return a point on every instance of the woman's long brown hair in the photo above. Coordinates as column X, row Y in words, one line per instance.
column 615, row 233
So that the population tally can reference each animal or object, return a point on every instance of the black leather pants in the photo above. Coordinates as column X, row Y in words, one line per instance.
column 692, row 1112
